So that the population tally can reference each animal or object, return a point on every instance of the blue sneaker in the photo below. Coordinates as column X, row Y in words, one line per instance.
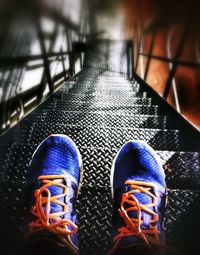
column 139, row 193
column 55, row 174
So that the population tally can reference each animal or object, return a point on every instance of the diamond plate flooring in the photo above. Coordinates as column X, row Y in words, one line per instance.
column 100, row 109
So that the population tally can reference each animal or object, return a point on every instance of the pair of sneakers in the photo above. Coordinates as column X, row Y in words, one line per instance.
column 138, row 190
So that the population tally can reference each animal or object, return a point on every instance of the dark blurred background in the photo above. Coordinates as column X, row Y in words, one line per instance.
column 42, row 44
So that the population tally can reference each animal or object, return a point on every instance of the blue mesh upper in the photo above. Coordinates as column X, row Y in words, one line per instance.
column 137, row 161
column 56, row 155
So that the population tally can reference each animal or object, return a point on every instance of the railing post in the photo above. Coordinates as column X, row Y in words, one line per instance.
column 175, row 63
column 44, row 55
column 149, row 55
column 138, row 52
column 63, row 64
column 129, row 54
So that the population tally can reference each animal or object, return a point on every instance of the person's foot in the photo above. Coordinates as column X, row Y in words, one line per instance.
column 55, row 173
column 139, row 193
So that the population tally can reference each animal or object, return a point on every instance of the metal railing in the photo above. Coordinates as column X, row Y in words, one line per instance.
column 166, row 44
column 16, row 59
column 174, row 62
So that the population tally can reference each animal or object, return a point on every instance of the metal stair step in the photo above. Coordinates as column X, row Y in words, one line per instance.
column 137, row 109
column 96, row 199
column 107, row 85
column 106, row 136
column 106, row 81
column 182, row 219
column 97, row 164
column 173, row 217
column 19, row 131
column 102, row 119
column 91, row 89
column 67, row 91
column 182, row 169
column 98, row 161
column 99, row 97
column 85, row 84
column 14, row 167
column 95, row 208
column 123, row 81
column 93, row 72
column 102, row 101
column 14, row 211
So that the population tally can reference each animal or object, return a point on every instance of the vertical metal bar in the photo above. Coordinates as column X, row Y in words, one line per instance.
column 138, row 52
column 71, row 55
column 133, row 56
column 175, row 63
column 129, row 53
column 44, row 54
column 80, row 59
column 128, row 59
column 92, row 16
column 149, row 55
column 41, row 88
column 169, row 38
column 63, row 64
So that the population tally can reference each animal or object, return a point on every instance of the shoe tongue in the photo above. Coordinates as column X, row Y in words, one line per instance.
column 54, row 207
column 56, row 190
column 143, row 199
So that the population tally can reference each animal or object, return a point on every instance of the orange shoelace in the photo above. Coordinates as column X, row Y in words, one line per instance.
column 43, row 215
column 133, row 225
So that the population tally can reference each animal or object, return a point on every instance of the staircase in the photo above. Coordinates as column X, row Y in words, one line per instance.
column 100, row 109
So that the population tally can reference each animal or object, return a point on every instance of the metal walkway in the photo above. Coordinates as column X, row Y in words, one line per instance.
column 100, row 109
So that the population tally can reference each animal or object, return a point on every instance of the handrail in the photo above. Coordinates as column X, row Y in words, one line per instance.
column 172, row 60
column 174, row 65
column 23, row 59
column 37, row 10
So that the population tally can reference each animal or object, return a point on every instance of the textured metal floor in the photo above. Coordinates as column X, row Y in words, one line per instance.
column 100, row 109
